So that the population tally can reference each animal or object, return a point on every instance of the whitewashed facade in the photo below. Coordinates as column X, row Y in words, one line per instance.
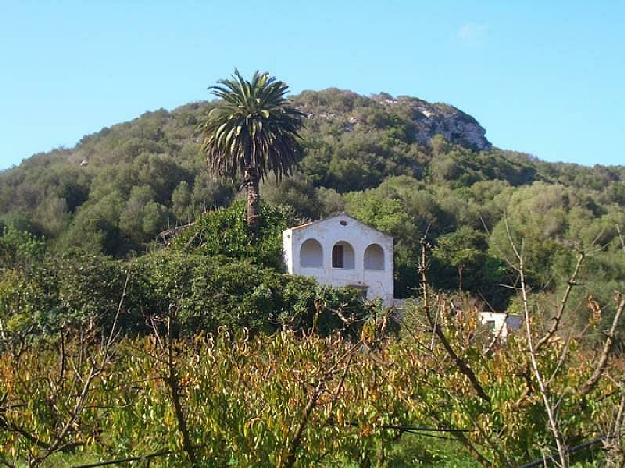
column 341, row 251
column 501, row 323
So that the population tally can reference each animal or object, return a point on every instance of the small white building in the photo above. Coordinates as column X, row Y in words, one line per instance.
column 341, row 251
column 501, row 323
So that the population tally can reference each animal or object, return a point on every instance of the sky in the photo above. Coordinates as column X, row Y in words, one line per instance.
column 542, row 77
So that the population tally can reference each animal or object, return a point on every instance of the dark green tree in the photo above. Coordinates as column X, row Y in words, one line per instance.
column 462, row 249
column 253, row 131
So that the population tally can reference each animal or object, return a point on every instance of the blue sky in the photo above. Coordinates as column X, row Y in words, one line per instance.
column 544, row 77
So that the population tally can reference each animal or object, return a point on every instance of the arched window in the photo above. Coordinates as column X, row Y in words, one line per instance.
column 374, row 257
column 343, row 256
column 311, row 254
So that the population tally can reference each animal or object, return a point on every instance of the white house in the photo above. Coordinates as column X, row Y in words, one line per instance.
column 501, row 323
column 341, row 251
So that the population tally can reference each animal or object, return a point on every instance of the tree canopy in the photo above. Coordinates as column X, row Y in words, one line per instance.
column 119, row 188
column 251, row 132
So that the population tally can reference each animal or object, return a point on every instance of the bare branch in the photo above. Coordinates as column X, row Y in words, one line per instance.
column 553, row 423
column 607, row 348
column 174, row 388
column 95, row 369
column 620, row 236
column 121, row 461
column 436, row 328
column 319, row 389
column 613, row 443
column 558, row 317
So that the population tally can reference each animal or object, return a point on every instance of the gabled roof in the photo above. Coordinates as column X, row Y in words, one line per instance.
column 334, row 217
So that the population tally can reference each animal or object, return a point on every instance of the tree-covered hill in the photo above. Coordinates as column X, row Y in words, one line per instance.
column 119, row 344
column 399, row 163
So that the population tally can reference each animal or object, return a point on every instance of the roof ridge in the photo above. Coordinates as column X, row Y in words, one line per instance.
column 337, row 215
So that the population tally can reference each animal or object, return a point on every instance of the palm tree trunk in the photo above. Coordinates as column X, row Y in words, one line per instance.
column 250, row 180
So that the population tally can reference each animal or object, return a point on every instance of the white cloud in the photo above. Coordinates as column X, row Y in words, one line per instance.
column 472, row 33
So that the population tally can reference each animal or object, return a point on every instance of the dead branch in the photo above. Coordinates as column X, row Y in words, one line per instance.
column 95, row 369
column 558, row 317
column 121, row 461
column 168, row 235
column 460, row 363
column 613, row 443
column 553, row 423
column 607, row 348
column 620, row 236
column 318, row 391
column 174, row 388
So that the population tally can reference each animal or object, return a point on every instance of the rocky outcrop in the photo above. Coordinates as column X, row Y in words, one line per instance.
column 432, row 119
column 352, row 111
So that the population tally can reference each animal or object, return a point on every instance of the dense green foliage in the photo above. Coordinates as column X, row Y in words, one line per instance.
column 374, row 401
column 213, row 276
column 117, row 189
column 107, row 336
column 225, row 232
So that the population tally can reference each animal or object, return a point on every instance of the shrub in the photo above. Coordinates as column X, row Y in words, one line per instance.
column 212, row 292
column 225, row 232
column 19, row 248
column 205, row 293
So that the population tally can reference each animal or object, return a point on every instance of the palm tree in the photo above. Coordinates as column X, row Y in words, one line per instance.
column 252, row 132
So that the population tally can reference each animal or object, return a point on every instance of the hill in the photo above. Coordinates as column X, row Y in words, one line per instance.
column 112, row 345
column 401, row 164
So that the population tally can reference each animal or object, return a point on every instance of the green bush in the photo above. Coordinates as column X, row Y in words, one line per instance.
column 205, row 293
column 57, row 292
column 212, row 292
column 19, row 248
column 225, row 232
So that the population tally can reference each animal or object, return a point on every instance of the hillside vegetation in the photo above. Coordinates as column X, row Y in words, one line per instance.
column 403, row 165
column 140, row 322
